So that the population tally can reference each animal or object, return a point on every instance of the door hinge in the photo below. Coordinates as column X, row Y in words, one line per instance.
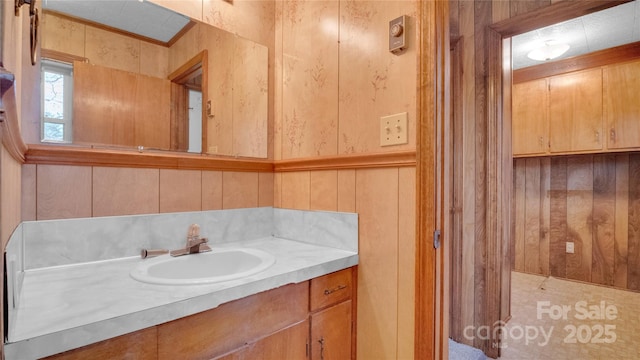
column 436, row 239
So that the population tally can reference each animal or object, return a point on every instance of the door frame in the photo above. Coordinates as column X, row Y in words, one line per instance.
column 431, row 300
column 433, row 174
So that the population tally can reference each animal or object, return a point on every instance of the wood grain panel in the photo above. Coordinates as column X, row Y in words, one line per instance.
column 520, row 203
column 265, row 189
column 331, row 332
column 289, row 343
column 62, row 34
column 152, row 112
column 180, row 190
column 603, row 219
column 240, row 190
column 575, row 112
column 621, row 106
column 63, row 192
column 579, row 208
column 140, row 345
column 406, row 257
column 277, row 190
column 109, row 49
column 530, row 124
column 330, row 289
column 347, row 190
column 469, row 127
column 125, row 191
column 633, row 278
column 558, row 217
column 236, row 324
column 622, row 221
column 532, row 217
column 96, row 121
column 323, row 190
column 545, row 213
column 28, row 189
column 296, row 190
column 378, row 267
column 212, row 190
column 519, row 7
column 482, row 15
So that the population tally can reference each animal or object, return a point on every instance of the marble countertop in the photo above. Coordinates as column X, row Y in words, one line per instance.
column 66, row 307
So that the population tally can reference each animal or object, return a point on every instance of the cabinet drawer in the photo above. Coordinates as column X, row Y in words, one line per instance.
column 331, row 289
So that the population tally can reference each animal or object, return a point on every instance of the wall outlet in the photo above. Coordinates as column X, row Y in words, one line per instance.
column 570, row 247
column 393, row 129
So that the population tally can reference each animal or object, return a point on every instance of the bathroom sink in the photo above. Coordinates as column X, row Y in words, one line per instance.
column 204, row 268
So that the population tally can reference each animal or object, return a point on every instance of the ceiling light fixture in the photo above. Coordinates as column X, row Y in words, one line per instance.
column 549, row 50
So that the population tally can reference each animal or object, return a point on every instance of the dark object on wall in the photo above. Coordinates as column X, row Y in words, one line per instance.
column 34, row 21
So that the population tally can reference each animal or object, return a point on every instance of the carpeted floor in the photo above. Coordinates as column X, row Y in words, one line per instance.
column 464, row 352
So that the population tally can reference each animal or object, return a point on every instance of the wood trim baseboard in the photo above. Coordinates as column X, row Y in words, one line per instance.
column 68, row 155
column 351, row 161
column 79, row 156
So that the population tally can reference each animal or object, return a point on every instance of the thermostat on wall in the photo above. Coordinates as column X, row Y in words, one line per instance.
column 397, row 31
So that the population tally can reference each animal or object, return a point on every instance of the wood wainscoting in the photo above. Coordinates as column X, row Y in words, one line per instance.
column 590, row 200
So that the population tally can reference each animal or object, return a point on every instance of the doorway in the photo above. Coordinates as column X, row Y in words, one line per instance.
column 488, row 106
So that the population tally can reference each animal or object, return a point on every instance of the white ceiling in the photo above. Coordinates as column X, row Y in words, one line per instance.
column 134, row 16
column 612, row 27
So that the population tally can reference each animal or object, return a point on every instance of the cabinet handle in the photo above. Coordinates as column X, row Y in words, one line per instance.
column 597, row 136
column 337, row 288
column 321, row 341
column 612, row 135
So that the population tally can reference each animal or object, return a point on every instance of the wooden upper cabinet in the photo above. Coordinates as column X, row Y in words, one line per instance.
column 621, row 84
column 575, row 112
column 530, row 117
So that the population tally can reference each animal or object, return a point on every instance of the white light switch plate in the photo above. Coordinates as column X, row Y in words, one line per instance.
column 393, row 130
column 570, row 247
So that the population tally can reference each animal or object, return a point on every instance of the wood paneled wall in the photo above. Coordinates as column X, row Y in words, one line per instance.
column 63, row 191
column 334, row 79
column 385, row 202
column 590, row 200
column 474, row 225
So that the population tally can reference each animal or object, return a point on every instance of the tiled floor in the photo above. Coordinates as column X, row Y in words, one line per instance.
column 548, row 321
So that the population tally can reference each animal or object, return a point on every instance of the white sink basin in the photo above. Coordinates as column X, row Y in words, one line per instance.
column 204, row 268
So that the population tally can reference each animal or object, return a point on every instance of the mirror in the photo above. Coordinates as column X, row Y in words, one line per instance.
column 197, row 88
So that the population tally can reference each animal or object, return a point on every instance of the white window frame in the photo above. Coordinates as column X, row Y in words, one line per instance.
column 65, row 69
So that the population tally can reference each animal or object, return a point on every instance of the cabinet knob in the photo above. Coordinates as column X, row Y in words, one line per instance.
column 612, row 135
column 597, row 136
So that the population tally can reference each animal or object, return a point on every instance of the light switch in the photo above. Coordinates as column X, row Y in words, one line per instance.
column 393, row 130
column 570, row 247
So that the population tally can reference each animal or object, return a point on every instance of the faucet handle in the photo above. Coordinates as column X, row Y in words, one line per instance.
column 194, row 231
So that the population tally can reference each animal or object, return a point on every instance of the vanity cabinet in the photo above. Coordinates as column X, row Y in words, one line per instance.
column 621, row 105
column 309, row 320
column 332, row 312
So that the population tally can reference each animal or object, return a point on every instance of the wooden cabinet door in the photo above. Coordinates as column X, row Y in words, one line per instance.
column 621, row 84
column 331, row 333
column 289, row 344
column 575, row 112
column 530, row 117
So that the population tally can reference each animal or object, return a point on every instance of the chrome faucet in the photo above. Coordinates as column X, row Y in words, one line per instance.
column 195, row 244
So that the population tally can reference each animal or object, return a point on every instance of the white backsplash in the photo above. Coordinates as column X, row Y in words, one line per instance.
column 43, row 244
